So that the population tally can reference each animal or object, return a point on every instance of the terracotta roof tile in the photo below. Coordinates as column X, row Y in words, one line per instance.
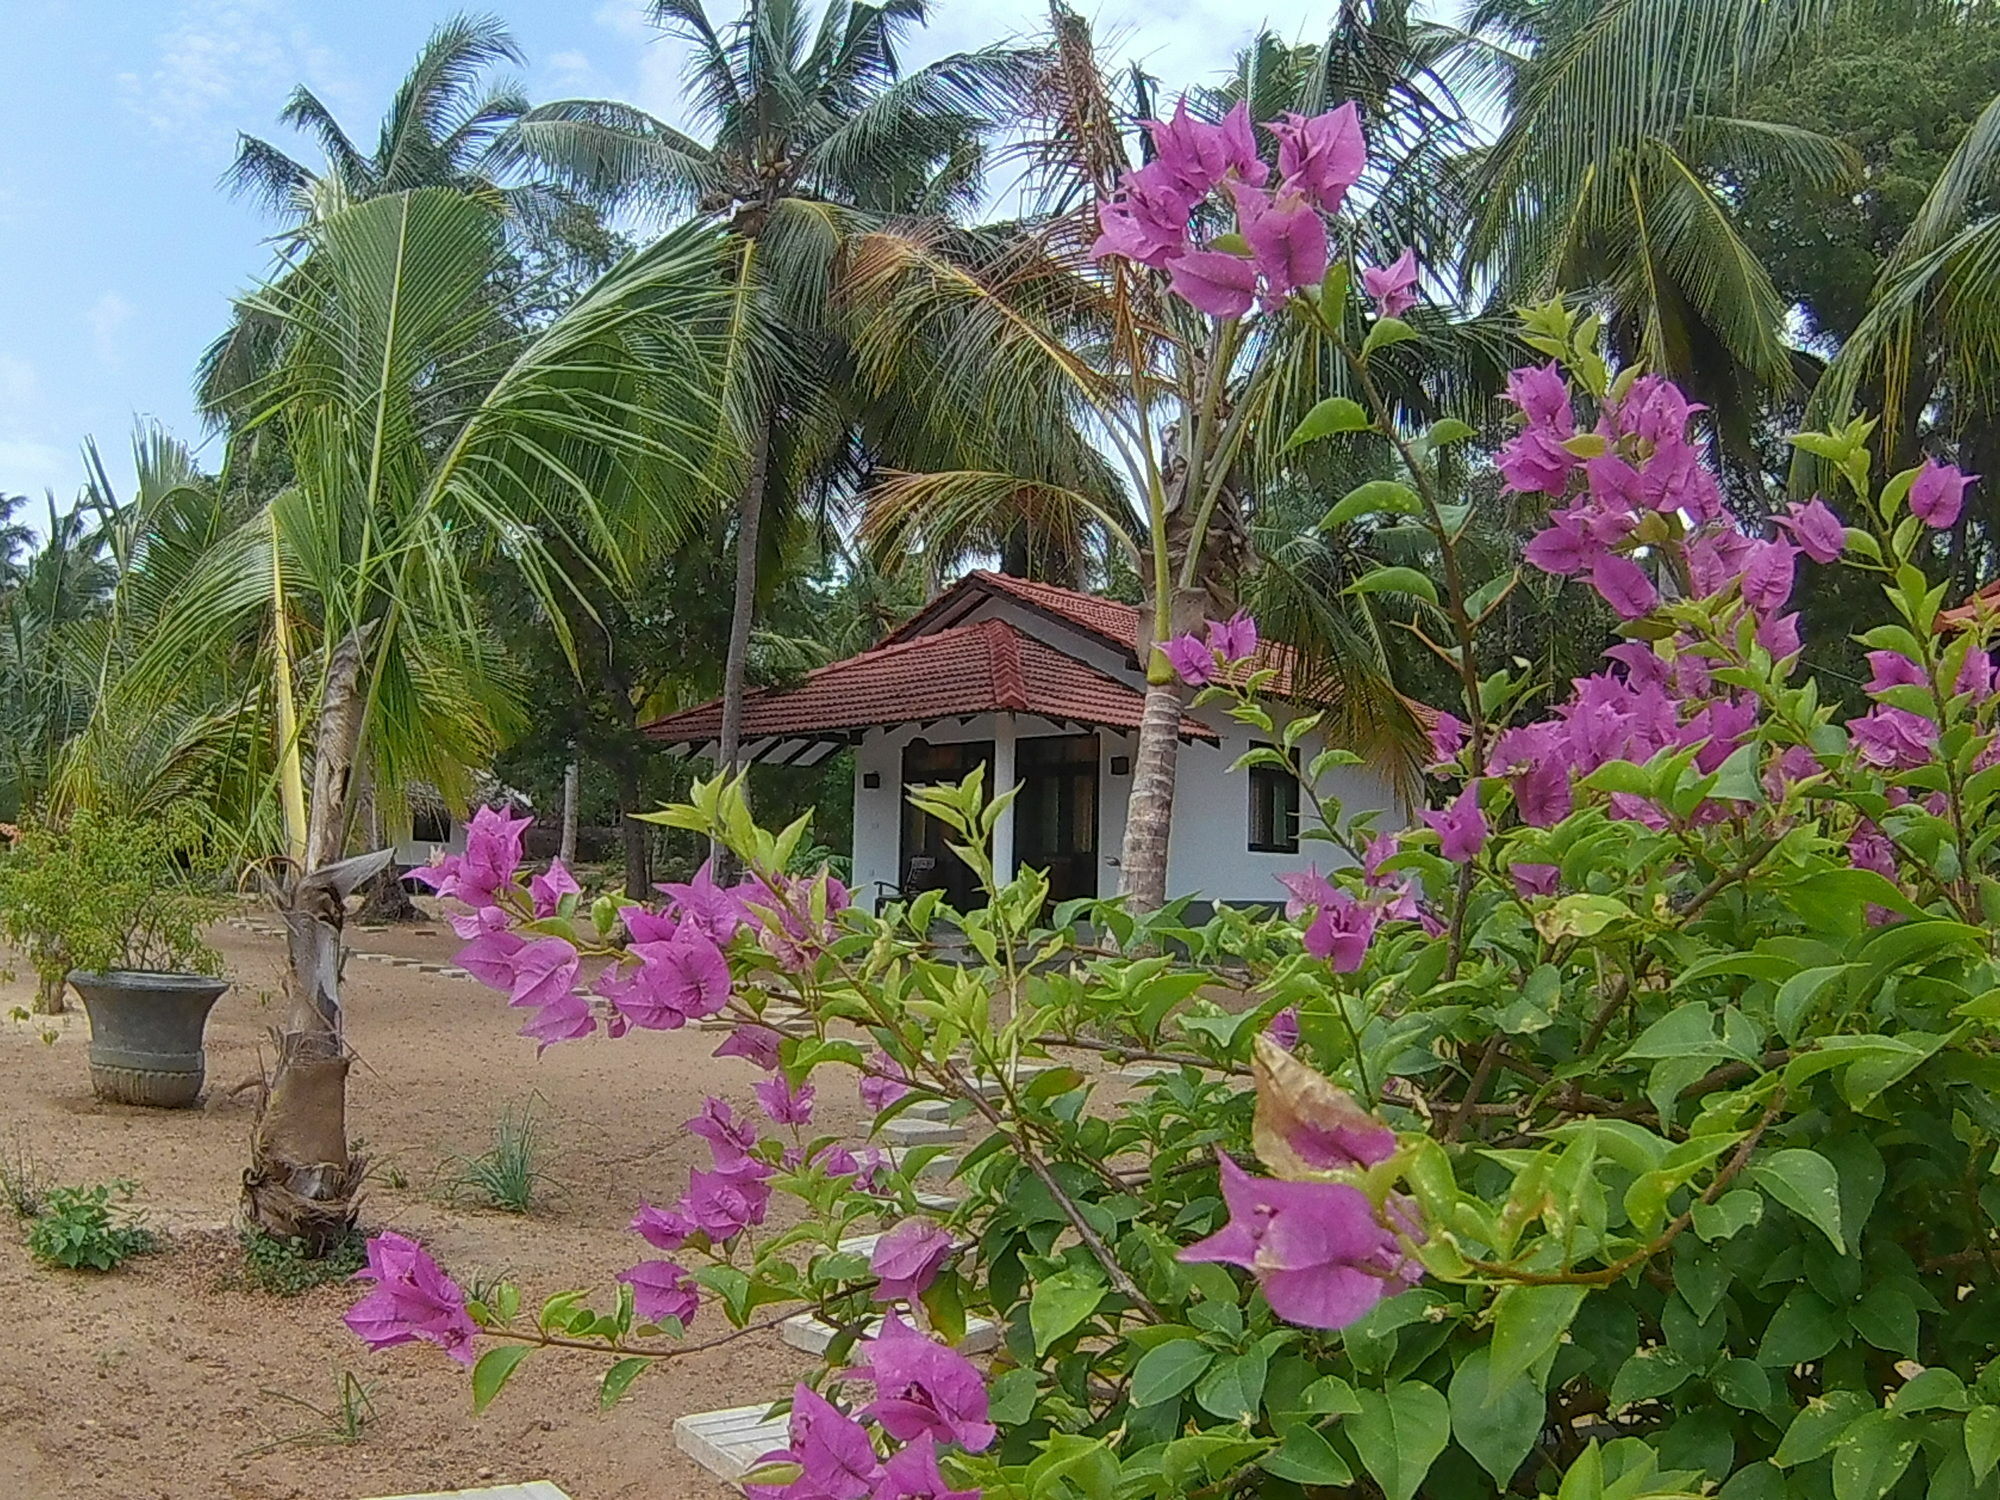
column 985, row 667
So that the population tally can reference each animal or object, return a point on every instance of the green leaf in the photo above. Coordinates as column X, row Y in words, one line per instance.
column 1528, row 1323
column 1386, row 332
column 1887, row 1318
column 494, row 1366
column 1936, row 1389
column 1797, row 994
column 1377, row 495
column 1012, row 1397
column 618, row 1379
column 1735, row 1211
column 1398, row 1434
column 1448, row 430
column 1165, row 1372
column 1872, row 1454
column 1497, row 1427
column 1807, row 1184
column 1060, row 1303
column 1334, row 415
column 1802, row 1330
column 1234, row 1389
column 1395, row 580
column 1306, row 1457
column 1982, row 1440
column 1742, row 1383
column 1647, row 1373
column 1818, row 1427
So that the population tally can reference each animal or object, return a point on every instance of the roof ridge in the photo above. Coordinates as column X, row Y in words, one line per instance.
column 1003, row 646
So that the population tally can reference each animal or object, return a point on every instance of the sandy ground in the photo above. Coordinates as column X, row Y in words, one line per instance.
column 161, row 1380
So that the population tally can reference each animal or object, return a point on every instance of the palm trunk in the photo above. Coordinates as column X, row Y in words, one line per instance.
column 742, row 616
column 1149, row 812
column 633, row 834
column 571, row 774
column 302, row 1181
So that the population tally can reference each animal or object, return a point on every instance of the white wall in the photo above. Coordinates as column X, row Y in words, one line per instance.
column 1210, row 855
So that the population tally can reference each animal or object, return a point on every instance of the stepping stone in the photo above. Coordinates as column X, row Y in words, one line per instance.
column 433, row 968
column 1022, row 1072
column 1145, row 1072
column 729, row 1443
column 538, row 1489
column 903, row 1131
column 452, row 971
column 938, row 1169
column 937, row 1203
column 806, row 1333
column 928, row 1109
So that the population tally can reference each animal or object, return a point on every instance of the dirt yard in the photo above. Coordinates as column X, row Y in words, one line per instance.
column 162, row 1381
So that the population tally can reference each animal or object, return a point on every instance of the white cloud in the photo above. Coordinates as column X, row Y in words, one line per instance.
column 107, row 318
column 217, row 57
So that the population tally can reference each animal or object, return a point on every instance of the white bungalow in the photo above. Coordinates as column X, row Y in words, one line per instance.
column 1043, row 686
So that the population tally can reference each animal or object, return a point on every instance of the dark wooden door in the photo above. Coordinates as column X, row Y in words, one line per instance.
column 927, row 863
column 1055, row 817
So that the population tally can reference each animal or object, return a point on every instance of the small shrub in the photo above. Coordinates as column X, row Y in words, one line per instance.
column 506, row 1175
column 78, row 1229
column 24, row 1180
column 282, row 1267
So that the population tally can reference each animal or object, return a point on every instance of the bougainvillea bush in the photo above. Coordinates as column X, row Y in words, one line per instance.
column 1624, row 1126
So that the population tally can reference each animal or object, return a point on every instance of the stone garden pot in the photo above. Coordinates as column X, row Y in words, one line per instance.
column 145, row 1034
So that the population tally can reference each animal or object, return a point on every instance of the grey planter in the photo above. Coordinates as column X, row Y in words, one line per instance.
column 145, row 1034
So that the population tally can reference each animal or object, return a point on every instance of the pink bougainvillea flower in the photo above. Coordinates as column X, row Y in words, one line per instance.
column 1779, row 635
column 1284, row 1028
column 1309, row 890
column 759, row 1044
column 884, row 1083
column 1448, row 734
column 1192, row 661
column 1816, row 529
column 835, row 1456
column 565, row 1019
column 1233, row 639
column 1543, row 396
column 1938, row 493
column 1340, row 932
column 1975, row 674
column 1870, row 849
column 682, row 979
column 730, row 1137
column 1215, row 283
column 1535, row 879
column 413, row 1299
column 794, row 916
column 645, row 926
column 1287, row 240
column 922, row 1386
column 908, row 1258
column 662, row 1290
column 1716, row 559
column 1196, row 156
column 1316, row 1248
column 724, row 1203
column 1146, row 220
column 1624, row 586
column 911, row 1473
column 663, row 1228
column 1534, row 462
column 547, row 889
column 1461, row 827
column 492, row 855
column 1768, row 575
column 545, row 971
column 784, row 1104
column 1887, row 669
column 1322, row 155
column 1376, row 854
column 1306, row 1123
column 715, row 910
column 1893, row 738
column 489, row 957
column 1393, row 287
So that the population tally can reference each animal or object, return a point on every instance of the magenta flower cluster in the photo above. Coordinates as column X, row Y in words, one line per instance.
column 413, row 1300
column 927, row 1395
column 1229, row 643
column 1281, row 243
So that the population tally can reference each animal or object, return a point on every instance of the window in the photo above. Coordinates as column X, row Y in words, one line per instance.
column 1274, row 810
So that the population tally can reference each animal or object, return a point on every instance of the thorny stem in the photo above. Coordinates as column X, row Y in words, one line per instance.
column 619, row 1346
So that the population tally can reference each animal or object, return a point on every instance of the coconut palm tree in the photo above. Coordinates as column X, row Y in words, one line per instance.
column 423, row 430
column 1608, row 176
column 991, row 352
column 813, row 127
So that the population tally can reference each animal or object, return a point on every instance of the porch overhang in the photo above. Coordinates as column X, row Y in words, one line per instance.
column 986, row 667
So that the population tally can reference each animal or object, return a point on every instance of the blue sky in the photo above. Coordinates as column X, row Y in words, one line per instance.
column 119, row 252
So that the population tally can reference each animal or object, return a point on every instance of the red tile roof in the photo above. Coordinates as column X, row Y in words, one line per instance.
column 1112, row 622
column 1984, row 605
column 986, row 667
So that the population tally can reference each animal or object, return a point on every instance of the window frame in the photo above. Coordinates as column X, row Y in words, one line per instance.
column 1263, row 791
